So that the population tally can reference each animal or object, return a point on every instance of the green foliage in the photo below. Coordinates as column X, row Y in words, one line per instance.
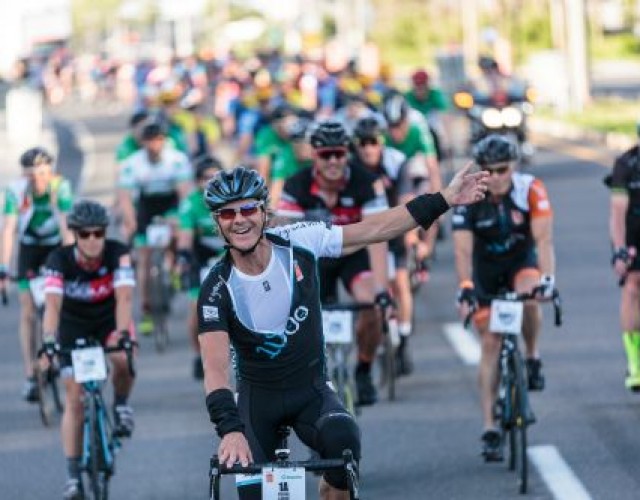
column 621, row 46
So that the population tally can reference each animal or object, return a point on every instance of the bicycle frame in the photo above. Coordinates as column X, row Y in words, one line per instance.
column 109, row 442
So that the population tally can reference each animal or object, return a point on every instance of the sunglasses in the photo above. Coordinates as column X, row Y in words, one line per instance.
column 327, row 154
column 245, row 210
column 84, row 234
column 498, row 170
column 371, row 141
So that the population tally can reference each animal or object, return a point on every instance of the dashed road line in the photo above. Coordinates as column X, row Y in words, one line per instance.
column 556, row 473
column 463, row 342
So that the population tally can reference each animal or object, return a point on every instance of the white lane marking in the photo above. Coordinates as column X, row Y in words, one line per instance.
column 463, row 342
column 557, row 474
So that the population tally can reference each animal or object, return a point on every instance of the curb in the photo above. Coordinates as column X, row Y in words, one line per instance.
column 614, row 141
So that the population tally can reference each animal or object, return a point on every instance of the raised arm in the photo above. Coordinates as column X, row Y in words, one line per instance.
column 465, row 188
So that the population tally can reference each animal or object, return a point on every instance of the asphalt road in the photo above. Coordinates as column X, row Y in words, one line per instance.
column 426, row 444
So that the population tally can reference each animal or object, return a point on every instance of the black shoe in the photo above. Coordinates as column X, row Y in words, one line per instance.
column 198, row 369
column 30, row 390
column 367, row 394
column 534, row 374
column 492, row 446
column 404, row 363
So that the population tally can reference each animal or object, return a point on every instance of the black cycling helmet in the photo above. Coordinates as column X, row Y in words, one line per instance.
column 493, row 149
column 281, row 111
column 329, row 134
column 297, row 130
column 152, row 131
column 87, row 213
column 205, row 162
column 35, row 156
column 237, row 184
column 395, row 109
column 138, row 117
column 368, row 128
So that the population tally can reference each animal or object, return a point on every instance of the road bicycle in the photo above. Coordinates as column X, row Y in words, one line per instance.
column 512, row 408
column 100, row 442
column 284, row 479
column 159, row 283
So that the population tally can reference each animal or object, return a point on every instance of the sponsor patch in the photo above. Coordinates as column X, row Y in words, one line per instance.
column 210, row 313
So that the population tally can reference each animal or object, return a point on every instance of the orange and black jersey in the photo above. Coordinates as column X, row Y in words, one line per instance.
column 502, row 228
column 362, row 194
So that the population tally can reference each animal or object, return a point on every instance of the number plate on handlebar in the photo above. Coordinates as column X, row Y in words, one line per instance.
column 158, row 235
column 89, row 365
column 506, row 317
column 283, row 484
column 337, row 327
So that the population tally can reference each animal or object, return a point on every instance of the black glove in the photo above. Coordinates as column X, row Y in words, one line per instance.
column 621, row 253
column 3, row 273
column 49, row 347
column 125, row 339
column 383, row 299
column 184, row 258
column 467, row 294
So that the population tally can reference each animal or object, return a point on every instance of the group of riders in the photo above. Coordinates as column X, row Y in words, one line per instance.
column 345, row 192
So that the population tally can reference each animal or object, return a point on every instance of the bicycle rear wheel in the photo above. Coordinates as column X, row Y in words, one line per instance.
column 388, row 362
column 160, row 298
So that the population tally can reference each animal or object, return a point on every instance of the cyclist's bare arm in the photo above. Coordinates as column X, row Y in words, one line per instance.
column 124, row 298
column 464, row 188
column 184, row 188
column 185, row 239
column 462, row 249
column 542, row 231
column 125, row 202
column 8, row 232
column 617, row 225
column 435, row 179
column 215, row 351
column 51, row 320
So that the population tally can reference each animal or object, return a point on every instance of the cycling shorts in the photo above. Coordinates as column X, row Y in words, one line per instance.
column 305, row 408
column 494, row 277
column 30, row 259
column 348, row 269
column 633, row 239
column 150, row 207
column 70, row 331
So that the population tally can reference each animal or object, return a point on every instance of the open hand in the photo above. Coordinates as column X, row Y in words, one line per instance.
column 466, row 188
column 233, row 448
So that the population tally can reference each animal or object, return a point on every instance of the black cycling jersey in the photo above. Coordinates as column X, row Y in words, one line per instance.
column 626, row 178
column 393, row 171
column 360, row 196
column 88, row 296
column 502, row 228
column 271, row 359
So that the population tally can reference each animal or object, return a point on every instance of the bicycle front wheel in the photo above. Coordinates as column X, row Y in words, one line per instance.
column 49, row 400
column 97, row 477
column 519, row 427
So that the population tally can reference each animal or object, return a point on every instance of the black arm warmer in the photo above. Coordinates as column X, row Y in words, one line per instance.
column 426, row 208
column 223, row 412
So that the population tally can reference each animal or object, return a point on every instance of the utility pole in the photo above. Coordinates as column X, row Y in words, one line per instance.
column 576, row 54
column 470, row 35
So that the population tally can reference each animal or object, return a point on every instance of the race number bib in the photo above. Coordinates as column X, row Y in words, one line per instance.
column 89, row 365
column 283, row 484
column 337, row 327
column 506, row 317
column 158, row 235
column 36, row 285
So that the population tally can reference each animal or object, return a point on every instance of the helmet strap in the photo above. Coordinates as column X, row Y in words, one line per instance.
column 247, row 251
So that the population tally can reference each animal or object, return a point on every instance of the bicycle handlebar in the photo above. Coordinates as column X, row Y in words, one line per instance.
column 354, row 306
column 309, row 465
column 521, row 297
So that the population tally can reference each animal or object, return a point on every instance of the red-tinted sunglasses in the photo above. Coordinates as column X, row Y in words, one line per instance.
column 327, row 154
column 245, row 210
column 499, row 170
column 84, row 234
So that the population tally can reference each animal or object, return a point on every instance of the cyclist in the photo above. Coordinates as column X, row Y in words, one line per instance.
column 296, row 155
column 132, row 142
column 198, row 244
column 263, row 298
column 504, row 242
column 158, row 176
column 334, row 190
column 430, row 101
column 624, row 228
column 272, row 138
column 390, row 166
column 35, row 206
column 89, row 289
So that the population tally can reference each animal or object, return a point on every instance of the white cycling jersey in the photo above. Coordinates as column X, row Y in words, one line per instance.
column 137, row 173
